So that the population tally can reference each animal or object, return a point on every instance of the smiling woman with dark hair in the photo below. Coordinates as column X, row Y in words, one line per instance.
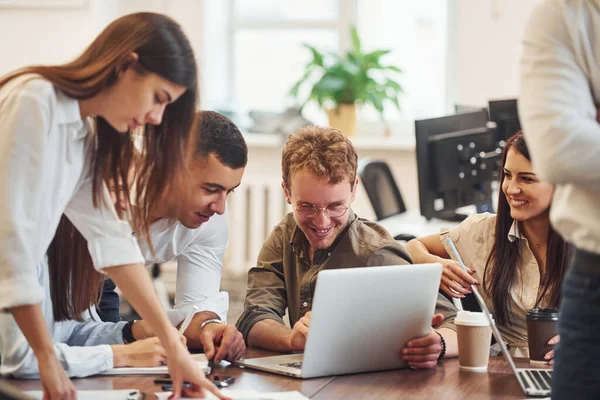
column 516, row 256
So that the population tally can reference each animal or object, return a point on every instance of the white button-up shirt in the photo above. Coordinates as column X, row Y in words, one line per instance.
column 199, row 255
column 560, row 91
column 83, row 348
column 45, row 160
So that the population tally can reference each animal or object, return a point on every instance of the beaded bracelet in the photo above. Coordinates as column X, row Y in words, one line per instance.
column 443, row 343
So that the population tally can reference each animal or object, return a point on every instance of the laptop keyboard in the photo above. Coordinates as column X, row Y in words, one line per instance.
column 539, row 379
column 296, row 364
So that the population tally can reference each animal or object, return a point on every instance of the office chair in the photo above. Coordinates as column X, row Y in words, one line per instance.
column 384, row 194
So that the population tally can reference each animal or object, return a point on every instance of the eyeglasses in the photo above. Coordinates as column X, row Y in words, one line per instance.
column 311, row 211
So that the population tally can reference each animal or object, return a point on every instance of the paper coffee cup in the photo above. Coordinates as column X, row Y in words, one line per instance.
column 474, row 339
column 541, row 327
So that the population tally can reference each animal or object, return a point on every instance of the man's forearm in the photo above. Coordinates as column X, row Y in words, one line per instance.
column 192, row 333
column 270, row 335
column 141, row 329
column 451, row 341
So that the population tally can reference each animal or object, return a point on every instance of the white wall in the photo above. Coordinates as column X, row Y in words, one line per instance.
column 56, row 35
column 188, row 13
column 47, row 35
column 484, row 39
column 487, row 49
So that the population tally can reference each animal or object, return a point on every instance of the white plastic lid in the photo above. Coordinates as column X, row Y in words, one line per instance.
column 470, row 318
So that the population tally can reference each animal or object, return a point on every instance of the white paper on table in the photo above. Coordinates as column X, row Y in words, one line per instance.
column 126, row 394
column 245, row 395
column 162, row 370
column 286, row 396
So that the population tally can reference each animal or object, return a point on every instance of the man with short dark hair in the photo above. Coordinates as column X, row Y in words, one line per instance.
column 191, row 227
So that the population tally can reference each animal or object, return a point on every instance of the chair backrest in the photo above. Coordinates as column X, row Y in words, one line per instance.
column 378, row 181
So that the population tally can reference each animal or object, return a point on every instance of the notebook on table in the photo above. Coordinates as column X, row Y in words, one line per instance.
column 125, row 394
column 162, row 370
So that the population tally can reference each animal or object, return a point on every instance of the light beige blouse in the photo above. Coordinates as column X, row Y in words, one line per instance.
column 474, row 239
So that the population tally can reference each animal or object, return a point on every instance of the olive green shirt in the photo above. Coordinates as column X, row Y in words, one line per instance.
column 284, row 278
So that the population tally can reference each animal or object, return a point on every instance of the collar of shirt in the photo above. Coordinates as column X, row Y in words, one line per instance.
column 300, row 244
column 68, row 112
column 160, row 225
column 163, row 224
column 514, row 232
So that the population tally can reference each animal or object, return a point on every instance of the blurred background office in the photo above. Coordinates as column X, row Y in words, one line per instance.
column 444, row 56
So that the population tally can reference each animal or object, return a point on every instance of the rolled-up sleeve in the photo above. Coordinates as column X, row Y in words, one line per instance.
column 199, row 270
column 266, row 296
column 93, row 331
column 24, row 153
column 77, row 362
column 110, row 240
column 218, row 304
column 85, row 350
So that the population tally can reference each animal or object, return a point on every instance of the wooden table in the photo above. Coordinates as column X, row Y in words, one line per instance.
column 445, row 381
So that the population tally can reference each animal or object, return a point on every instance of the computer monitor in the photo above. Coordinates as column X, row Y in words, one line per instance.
column 506, row 116
column 457, row 160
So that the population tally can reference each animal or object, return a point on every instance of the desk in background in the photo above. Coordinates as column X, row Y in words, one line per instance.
column 445, row 381
column 413, row 223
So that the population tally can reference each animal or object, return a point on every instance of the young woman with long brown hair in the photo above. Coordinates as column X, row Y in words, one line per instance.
column 515, row 256
column 65, row 132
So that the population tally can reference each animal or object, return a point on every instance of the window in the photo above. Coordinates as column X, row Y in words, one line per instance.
column 253, row 50
column 416, row 32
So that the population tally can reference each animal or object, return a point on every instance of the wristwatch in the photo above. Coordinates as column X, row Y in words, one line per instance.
column 211, row 321
column 127, row 334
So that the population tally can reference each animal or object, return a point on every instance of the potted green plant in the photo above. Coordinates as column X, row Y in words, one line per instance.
column 341, row 81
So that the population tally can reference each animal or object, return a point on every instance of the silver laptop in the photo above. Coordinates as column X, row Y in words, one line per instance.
column 535, row 382
column 361, row 319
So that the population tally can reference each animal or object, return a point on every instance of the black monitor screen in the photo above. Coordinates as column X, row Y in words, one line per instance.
column 457, row 159
column 506, row 116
